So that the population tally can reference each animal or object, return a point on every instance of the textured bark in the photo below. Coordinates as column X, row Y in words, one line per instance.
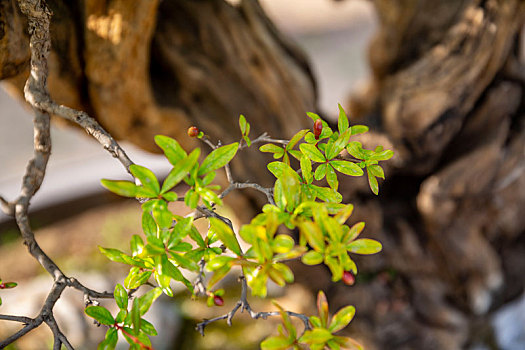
column 448, row 91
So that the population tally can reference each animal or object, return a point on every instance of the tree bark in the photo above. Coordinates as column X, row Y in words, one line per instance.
column 448, row 92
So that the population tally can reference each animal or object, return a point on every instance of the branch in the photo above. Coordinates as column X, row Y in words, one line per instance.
column 37, row 96
column 238, row 185
column 243, row 305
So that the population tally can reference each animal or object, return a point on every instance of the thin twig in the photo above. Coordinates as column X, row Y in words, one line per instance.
column 243, row 305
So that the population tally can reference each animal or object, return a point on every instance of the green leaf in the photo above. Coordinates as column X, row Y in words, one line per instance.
column 243, row 125
column 136, row 278
column 148, row 225
column 331, row 177
column 313, row 116
column 135, row 316
column 342, row 122
column 191, row 199
column 9, row 285
column 121, row 297
column 276, row 343
column 147, row 299
column 115, row 255
column 320, row 172
column 356, row 149
column 312, row 258
column 312, row 152
column 276, row 168
column 347, row 168
column 282, row 243
column 342, row 318
column 166, row 268
column 122, row 188
column 291, row 187
column 338, row 145
column 306, row 169
column 364, row 246
column 146, row 177
column 218, row 158
column 359, row 129
column 313, row 235
column 173, row 151
column 316, row 336
column 295, row 139
column 376, row 171
column 219, row 275
column 285, row 271
column 354, row 232
column 322, row 308
column 328, row 194
column 110, row 341
column 147, row 327
column 101, row 314
column 372, row 181
column 335, row 268
column 180, row 170
column 136, row 245
column 277, row 151
column 382, row 155
column 226, row 235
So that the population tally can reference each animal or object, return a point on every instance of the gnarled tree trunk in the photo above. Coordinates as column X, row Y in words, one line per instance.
column 448, row 92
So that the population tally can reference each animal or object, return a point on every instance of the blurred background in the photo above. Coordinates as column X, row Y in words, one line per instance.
column 441, row 83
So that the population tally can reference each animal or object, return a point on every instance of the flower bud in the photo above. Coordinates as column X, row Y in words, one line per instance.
column 218, row 300
column 318, row 128
column 348, row 278
column 193, row 131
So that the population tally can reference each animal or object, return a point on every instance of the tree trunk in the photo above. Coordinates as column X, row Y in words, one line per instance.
column 448, row 92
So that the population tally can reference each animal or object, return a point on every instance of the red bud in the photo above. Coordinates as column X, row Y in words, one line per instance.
column 318, row 128
column 218, row 300
column 193, row 131
column 348, row 278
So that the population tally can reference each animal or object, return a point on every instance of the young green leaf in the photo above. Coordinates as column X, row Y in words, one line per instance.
column 295, row 139
column 101, row 314
column 180, row 170
column 342, row 318
column 243, row 125
column 122, row 188
column 146, row 177
column 277, row 151
column 276, row 343
column 173, row 151
column 312, row 152
column 226, row 235
column 147, row 299
column 342, row 122
column 110, row 341
column 313, row 235
column 347, row 168
column 121, row 297
column 148, row 225
column 316, row 336
column 364, row 246
column 312, row 258
column 320, row 172
column 218, row 158
column 372, row 181
column 331, row 177
column 306, row 169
